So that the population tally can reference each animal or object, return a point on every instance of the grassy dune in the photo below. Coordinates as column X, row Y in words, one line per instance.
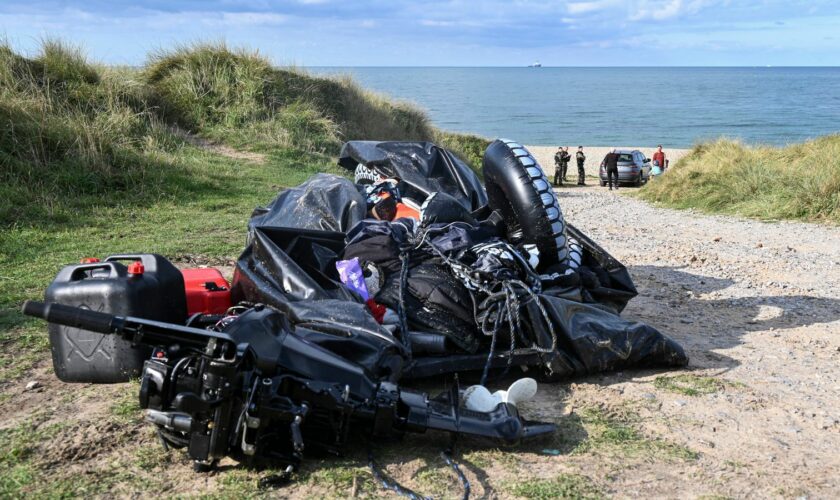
column 78, row 135
column 800, row 181
column 97, row 160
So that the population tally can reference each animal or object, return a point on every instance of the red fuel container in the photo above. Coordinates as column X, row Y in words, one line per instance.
column 208, row 292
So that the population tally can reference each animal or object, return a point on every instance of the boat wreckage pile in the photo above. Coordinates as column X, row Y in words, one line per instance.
column 345, row 293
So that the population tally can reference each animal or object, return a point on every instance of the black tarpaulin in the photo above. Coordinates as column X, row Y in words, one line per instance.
column 325, row 202
column 294, row 243
column 293, row 270
column 422, row 168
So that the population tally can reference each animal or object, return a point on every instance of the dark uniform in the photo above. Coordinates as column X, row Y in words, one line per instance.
column 581, row 159
column 611, row 166
column 566, row 159
column 561, row 164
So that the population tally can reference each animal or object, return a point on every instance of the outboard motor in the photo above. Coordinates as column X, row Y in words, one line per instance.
column 250, row 387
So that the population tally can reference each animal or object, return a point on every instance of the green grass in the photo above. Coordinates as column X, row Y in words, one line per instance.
column 689, row 385
column 31, row 466
column 572, row 486
column 484, row 458
column 436, row 479
column 125, row 409
column 240, row 483
column 469, row 147
column 71, row 133
column 800, row 181
column 19, row 444
column 152, row 456
column 230, row 93
column 337, row 477
column 616, row 433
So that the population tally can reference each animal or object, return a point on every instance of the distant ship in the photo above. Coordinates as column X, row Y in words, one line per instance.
column 535, row 65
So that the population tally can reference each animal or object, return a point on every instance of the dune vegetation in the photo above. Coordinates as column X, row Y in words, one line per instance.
column 800, row 181
column 170, row 158
column 77, row 134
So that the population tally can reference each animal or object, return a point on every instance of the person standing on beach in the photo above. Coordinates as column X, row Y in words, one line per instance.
column 566, row 159
column 561, row 165
column 659, row 156
column 581, row 159
column 564, row 164
column 611, row 166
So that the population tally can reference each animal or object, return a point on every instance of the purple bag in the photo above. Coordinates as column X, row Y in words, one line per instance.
column 352, row 276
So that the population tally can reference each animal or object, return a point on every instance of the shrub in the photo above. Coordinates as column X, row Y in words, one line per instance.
column 800, row 181
column 75, row 134
column 70, row 129
column 212, row 89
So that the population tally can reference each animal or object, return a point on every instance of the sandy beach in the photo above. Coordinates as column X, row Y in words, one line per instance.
column 594, row 155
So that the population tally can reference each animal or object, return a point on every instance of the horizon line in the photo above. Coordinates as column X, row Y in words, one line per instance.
column 765, row 66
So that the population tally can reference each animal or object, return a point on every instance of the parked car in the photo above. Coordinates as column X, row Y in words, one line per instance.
column 633, row 168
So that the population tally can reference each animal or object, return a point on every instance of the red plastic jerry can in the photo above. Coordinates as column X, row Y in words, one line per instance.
column 208, row 292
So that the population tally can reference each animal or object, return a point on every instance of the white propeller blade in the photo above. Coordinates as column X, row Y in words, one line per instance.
column 521, row 390
column 478, row 398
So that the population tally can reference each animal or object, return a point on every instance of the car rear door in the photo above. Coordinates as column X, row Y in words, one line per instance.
column 643, row 165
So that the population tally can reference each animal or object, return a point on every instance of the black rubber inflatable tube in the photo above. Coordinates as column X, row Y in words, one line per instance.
column 518, row 188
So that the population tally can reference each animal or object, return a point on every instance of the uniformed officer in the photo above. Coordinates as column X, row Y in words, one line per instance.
column 581, row 159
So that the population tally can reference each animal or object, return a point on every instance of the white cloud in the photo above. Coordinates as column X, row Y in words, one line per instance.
column 250, row 18
column 578, row 8
column 666, row 9
column 434, row 23
column 638, row 10
column 623, row 43
column 161, row 21
column 658, row 11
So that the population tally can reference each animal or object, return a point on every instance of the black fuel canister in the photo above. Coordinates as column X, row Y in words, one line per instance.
column 149, row 287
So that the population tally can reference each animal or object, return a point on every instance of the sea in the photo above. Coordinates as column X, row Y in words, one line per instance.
column 676, row 107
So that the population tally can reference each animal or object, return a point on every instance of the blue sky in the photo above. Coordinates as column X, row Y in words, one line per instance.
column 447, row 33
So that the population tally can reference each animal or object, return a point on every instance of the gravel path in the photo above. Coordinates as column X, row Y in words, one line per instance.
column 756, row 305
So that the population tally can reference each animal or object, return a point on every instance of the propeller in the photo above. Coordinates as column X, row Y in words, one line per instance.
column 479, row 398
